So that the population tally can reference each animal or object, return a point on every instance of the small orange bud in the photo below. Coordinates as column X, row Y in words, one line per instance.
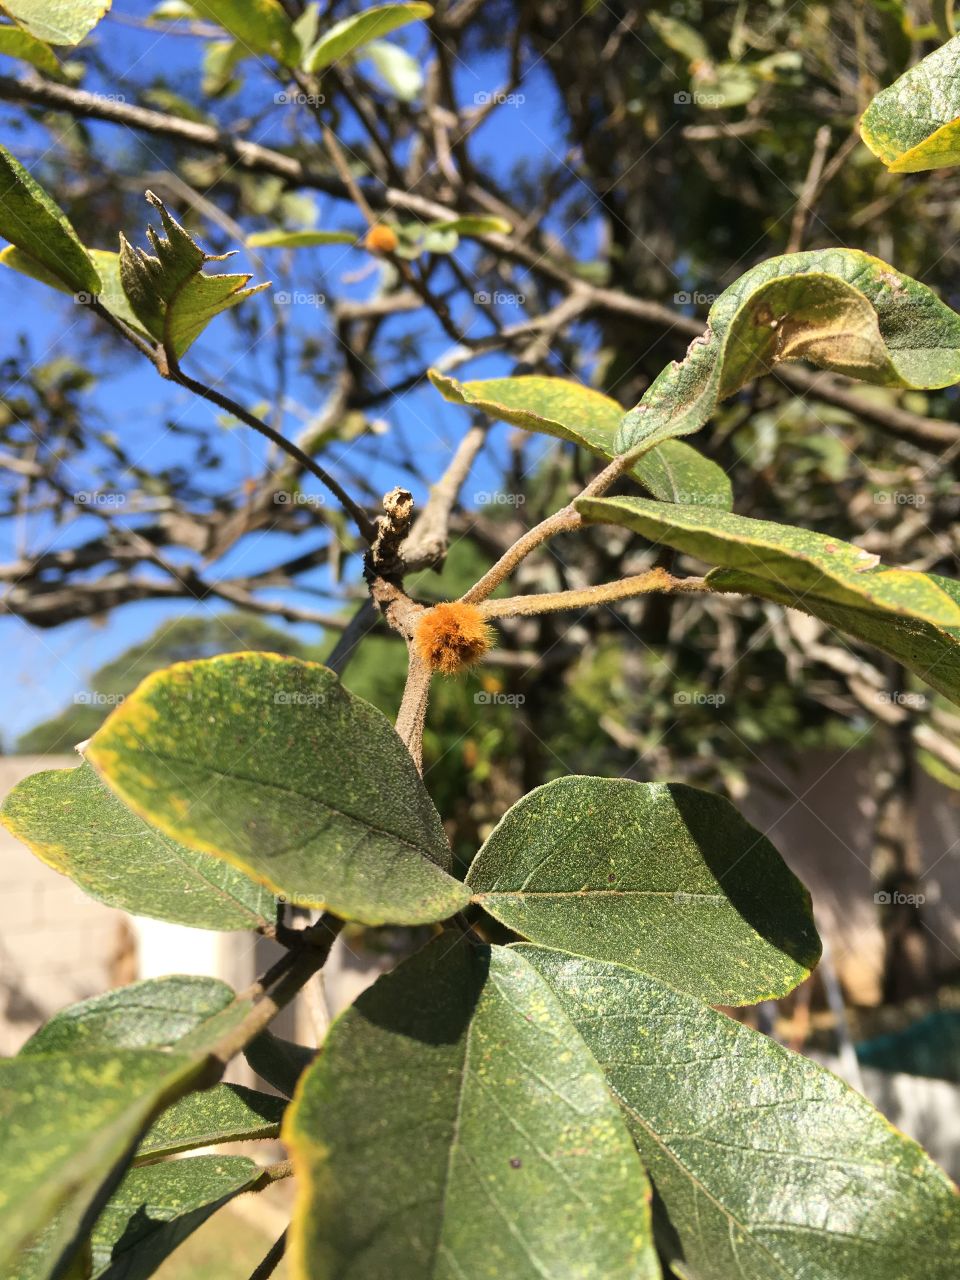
column 452, row 636
column 381, row 239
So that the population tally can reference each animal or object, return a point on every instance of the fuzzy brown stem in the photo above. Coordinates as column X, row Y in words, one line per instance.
column 413, row 708
column 603, row 593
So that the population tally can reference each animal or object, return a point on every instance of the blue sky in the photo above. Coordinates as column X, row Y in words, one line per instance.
column 46, row 669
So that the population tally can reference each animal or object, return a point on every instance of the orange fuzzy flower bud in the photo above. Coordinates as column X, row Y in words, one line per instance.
column 452, row 636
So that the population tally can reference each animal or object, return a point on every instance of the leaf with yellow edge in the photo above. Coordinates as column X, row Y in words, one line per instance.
column 455, row 1128
column 913, row 616
column 570, row 411
column 79, row 1095
column 271, row 765
column 110, row 294
column 838, row 308
column 914, row 125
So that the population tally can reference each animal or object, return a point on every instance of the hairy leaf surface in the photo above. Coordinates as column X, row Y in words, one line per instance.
column 674, row 471
column 768, row 1166
column 225, row 1113
column 270, row 764
column 454, row 1128
column 663, row 878
column 155, row 1208
column 838, row 308
column 81, row 1092
column 77, row 826
column 153, row 1014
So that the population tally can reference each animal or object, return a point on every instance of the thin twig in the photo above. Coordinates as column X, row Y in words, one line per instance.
column 278, row 986
column 271, row 1260
column 562, row 521
column 601, row 593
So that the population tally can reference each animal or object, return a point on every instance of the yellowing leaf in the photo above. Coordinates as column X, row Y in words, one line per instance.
column 913, row 616
column 669, row 879
column 455, row 1126
column 76, row 825
column 767, row 1166
column 571, row 411
column 306, row 239
column 914, row 125
column 57, row 21
column 272, row 766
column 839, row 308
column 17, row 43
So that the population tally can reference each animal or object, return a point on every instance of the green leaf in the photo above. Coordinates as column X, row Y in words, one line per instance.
column 931, row 650
column 261, row 25
column 454, row 1126
column 17, row 43
column 77, row 826
column 805, row 562
column 30, row 220
column 838, row 308
column 153, row 1014
column 769, row 1167
column 475, row 225
column 914, row 616
column 107, row 265
column 350, row 34
column 225, row 1113
column 154, row 1209
column 279, row 1062
column 170, row 294
column 396, row 68
column 67, row 1125
column 573, row 412
column 914, row 125
column 82, row 1091
column 680, row 37
column 270, row 764
column 305, row 239
column 57, row 21
column 663, row 878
